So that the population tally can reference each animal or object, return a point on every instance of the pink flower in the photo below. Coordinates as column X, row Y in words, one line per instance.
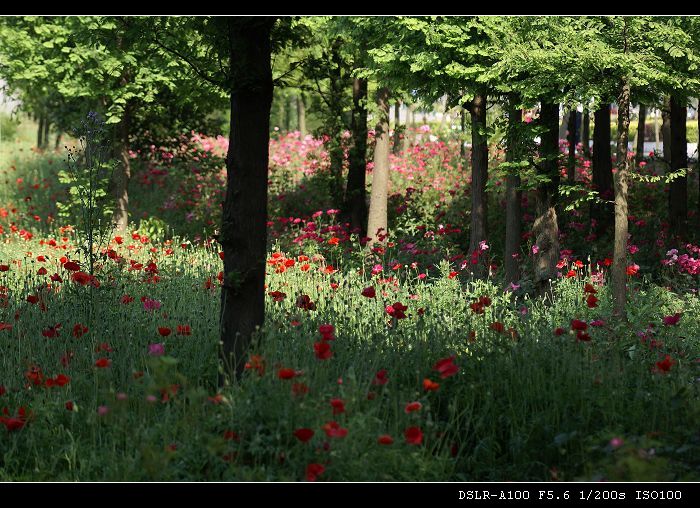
column 535, row 249
column 151, row 305
column 102, row 410
column 157, row 349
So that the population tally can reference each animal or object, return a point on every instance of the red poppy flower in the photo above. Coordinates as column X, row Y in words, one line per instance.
column 231, row 435
column 81, row 278
column 413, row 435
column 322, row 350
column 69, row 405
column 126, row 299
column 79, row 330
column 446, row 367
column 304, row 434
column 72, row 266
column 412, row 407
column 277, row 296
column 184, row 330
column 588, row 288
column 103, row 363
column 257, row 363
column 52, row 331
column 313, row 471
column 385, row 439
column 559, row 331
column 338, row 406
column 369, row 292
column 591, row 301
column 579, row 325
column 485, row 301
column 327, row 331
column 286, row 373
column 164, row 331
column 397, row 310
column 476, row 307
column 632, row 269
column 430, row 385
column 583, row 336
column 299, row 389
column 664, row 366
column 497, row 326
column 32, row 299
column 333, row 429
column 42, row 271
column 380, row 378
column 304, row 302
column 4, row 268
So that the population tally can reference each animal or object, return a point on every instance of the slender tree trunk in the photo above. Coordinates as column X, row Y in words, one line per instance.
column 641, row 131
column 40, row 133
column 571, row 138
column 377, row 222
column 619, row 269
column 545, row 227
column 355, row 208
column 586, row 133
column 397, row 128
column 479, row 160
column 301, row 114
column 57, row 145
column 122, row 172
column 666, row 134
column 602, row 213
column 47, row 130
column 244, row 226
column 678, row 188
column 513, row 200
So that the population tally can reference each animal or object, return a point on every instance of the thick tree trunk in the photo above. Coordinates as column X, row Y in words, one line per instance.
column 397, row 128
column 619, row 269
column 666, row 134
column 40, row 133
column 545, row 227
column 355, row 208
column 571, row 137
column 244, row 226
column 602, row 213
column 301, row 114
column 377, row 222
column 586, row 133
column 678, row 188
column 511, row 259
column 479, row 160
column 122, row 173
column 641, row 131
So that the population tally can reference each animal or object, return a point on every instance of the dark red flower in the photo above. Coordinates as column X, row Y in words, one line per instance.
column 184, row 330
column 81, row 278
column 103, row 363
column 322, row 350
column 286, row 373
column 72, row 266
column 304, row 434
column 164, row 331
column 413, row 435
column 338, row 406
column 79, row 330
column 412, row 407
column 591, row 301
column 304, row 302
column 385, row 439
column 559, row 331
column 664, row 366
column 579, row 325
column 278, row 296
column 313, row 471
column 327, row 332
column 397, row 310
column 333, row 429
column 380, row 378
column 672, row 320
column 369, row 292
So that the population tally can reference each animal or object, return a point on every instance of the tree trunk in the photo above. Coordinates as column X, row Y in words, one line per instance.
column 47, row 130
column 479, row 160
column 397, row 128
column 377, row 222
column 244, row 226
column 122, row 173
column 301, row 114
column 355, row 208
column 666, row 134
column 619, row 269
column 513, row 199
column 545, row 227
column 678, row 188
column 641, row 131
column 602, row 213
column 40, row 133
column 59, row 137
column 571, row 138
column 586, row 133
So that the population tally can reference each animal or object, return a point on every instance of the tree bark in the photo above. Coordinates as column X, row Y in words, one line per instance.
column 397, row 128
column 678, row 188
column 377, row 222
column 479, row 160
column 619, row 269
column 40, row 133
column 666, row 134
column 586, row 133
column 571, row 138
column 355, row 208
column 59, row 137
column 545, row 227
column 243, row 234
column 602, row 213
column 301, row 114
column 513, row 200
column 641, row 131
